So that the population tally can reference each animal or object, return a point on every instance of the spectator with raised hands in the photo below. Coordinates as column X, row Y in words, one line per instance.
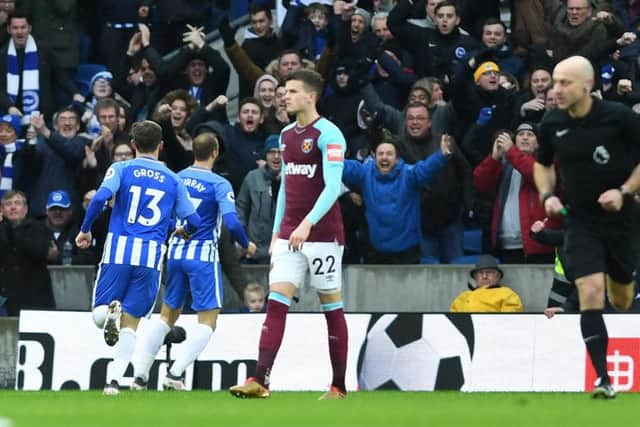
column 577, row 27
column 507, row 174
column 394, row 223
column 173, row 113
column 52, row 163
column 197, row 68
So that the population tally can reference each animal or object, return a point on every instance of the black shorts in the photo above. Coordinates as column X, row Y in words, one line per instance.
column 591, row 248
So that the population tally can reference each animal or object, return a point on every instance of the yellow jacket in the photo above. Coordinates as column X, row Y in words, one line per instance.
column 487, row 299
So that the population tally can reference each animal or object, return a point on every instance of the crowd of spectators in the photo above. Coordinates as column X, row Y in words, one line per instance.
column 401, row 77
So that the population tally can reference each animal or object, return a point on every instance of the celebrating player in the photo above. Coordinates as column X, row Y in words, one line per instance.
column 596, row 146
column 146, row 193
column 307, row 232
column 193, row 264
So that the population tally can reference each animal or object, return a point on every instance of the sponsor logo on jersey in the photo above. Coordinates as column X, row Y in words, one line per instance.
column 334, row 152
column 231, row 197
column 562, row 132
column 600, row 155
column 307, row 145
column 301, row 169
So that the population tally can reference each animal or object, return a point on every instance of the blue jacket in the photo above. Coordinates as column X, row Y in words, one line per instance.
column 392, row 201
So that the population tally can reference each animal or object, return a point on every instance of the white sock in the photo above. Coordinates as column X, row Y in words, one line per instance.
column 150, row 340
column 196, row 341
column 122, row 354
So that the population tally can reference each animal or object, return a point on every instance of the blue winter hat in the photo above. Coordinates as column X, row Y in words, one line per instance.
column 271, row 143
column 59, row 198
column 13, row 121
column 606, row 72
column 100, row 75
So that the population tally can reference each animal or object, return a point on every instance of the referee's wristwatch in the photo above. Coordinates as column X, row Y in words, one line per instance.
column 625, row 194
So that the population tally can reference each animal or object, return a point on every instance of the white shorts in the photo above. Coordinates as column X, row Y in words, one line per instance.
column 323, row 260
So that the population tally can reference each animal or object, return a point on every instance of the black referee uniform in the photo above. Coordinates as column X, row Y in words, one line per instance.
column 595, row 153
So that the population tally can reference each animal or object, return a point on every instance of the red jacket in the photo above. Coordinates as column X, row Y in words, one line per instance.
column 486, row 178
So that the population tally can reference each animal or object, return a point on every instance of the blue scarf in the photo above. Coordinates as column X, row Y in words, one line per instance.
column 30, row 76
column 6, row 157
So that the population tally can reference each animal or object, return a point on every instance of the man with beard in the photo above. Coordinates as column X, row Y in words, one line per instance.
column 54, row 160
column 394, row 222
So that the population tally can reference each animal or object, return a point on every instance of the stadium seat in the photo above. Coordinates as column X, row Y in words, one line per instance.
column 429, row 260
column 473, row 241
column 84, row 74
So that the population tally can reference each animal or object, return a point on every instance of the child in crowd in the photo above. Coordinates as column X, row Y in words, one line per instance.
column 254, row 297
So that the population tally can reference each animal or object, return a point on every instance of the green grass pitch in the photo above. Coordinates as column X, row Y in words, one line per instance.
column 302, row 409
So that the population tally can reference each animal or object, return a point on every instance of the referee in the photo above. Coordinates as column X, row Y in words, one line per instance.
column 595, row 145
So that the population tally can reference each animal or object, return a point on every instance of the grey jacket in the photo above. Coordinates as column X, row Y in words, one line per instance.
column 256, row 207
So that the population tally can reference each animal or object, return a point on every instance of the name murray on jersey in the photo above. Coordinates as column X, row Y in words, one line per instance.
column 301, row 169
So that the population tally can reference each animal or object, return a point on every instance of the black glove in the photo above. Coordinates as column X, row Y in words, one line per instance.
column 227, row 33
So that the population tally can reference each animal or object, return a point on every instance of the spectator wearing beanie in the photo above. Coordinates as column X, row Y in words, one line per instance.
column 509, row 169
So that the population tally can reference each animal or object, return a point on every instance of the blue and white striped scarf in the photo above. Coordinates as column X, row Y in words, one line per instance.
column 6, row 156
column 30, row 76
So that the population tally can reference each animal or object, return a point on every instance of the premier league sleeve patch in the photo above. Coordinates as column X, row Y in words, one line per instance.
column 334, row 153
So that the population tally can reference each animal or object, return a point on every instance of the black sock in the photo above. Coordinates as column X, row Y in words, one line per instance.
column 594, row 333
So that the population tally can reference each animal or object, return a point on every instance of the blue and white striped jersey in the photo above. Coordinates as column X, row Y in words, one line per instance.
column 212, row 197
column 147, row 196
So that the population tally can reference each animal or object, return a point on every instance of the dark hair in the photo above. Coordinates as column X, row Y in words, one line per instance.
column 67, row 109
column 203, row 145
column 119, row 144
column 447, row 3
column 422, row 89
column 316, row 6
column 494, row 21
column 19, row 14
column 260, row 7
column 169, row 98
column 385, row 137
column 250, row 100
column 290, row 52
column 147, row 135
column 311, row 80
column 106, row 103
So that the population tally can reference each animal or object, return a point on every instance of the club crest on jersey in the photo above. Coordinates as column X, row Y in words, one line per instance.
column 307, row 145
